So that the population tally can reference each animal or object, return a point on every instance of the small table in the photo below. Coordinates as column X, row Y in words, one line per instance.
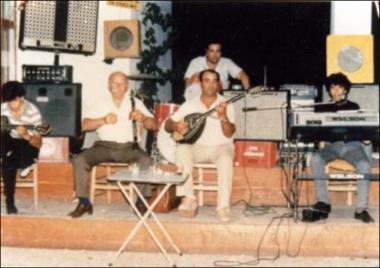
column 166, row 178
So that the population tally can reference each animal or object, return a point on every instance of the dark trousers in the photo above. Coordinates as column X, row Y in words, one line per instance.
column 15, row 154
column 104, row 151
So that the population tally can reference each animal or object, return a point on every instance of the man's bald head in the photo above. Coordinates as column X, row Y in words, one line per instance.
column 118, row 84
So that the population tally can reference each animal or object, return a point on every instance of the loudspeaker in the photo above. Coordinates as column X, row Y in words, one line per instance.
column 67, row 26
column 121, row 39
column 268, row 118
column 367, row 96
column 60, row 106
column 351, row 55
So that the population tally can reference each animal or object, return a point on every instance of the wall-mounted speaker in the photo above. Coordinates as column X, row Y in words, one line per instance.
column 351, row 55
column 121, row 39
column 67, row 26
column 267, row 119
column 60, row 106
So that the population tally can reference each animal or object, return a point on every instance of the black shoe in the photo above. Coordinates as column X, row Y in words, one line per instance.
column 322, row 207
column 141, row 207
column 11, row 209
column 319, row 211
column 80, row 210
column 364, row 216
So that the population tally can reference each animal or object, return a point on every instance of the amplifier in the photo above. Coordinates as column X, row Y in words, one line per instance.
column 47, row 74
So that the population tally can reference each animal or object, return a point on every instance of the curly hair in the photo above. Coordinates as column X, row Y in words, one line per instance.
column 338, row 79
column 11, row 90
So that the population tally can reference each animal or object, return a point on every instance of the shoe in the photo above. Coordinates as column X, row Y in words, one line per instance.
column 141, row 207
column 11, row 209
column 223, row 214
column 25, row 172
column 319, row 211
column 80, row 210
column 322, row 207
column 188, row 207
column 363, row 216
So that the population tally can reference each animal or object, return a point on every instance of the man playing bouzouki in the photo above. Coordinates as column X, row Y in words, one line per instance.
column 20, row 146
column 214, row 145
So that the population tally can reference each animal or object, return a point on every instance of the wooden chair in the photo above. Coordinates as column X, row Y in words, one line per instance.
column 100, row 182
column 199, row 184
column 339, row 166
column 31, row 181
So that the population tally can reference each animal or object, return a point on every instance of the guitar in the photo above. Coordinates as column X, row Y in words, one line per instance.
column 43, row 129
column 197, row 121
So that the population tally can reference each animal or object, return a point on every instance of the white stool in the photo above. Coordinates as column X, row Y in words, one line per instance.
column 101, row 183
column 199, row 184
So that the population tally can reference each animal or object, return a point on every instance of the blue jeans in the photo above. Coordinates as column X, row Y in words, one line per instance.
column 355, row 153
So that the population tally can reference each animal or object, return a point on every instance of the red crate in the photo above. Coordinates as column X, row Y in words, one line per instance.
column 255, row 154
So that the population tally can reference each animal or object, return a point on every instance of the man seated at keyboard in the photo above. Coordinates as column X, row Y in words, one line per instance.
column 356, row 153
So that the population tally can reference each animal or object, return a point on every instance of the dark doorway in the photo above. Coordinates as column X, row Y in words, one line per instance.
column 288, row 38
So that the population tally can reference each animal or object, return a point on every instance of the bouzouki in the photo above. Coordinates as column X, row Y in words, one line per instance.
column 197, row 121
column 43, row 129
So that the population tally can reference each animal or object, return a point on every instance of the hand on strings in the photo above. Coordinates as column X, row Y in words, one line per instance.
column 181, row 127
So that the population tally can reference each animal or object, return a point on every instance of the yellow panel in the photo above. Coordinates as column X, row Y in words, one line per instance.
column 351, row 55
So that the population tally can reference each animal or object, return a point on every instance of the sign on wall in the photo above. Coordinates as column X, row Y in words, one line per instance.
column 125, row 4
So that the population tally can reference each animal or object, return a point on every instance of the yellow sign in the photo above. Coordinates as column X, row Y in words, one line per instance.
column 125, row 4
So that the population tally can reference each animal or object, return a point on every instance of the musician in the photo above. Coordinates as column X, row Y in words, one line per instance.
column 20, row 146
column 112, row 119
column 354, row 152
column 214, row 145
column 212, row 60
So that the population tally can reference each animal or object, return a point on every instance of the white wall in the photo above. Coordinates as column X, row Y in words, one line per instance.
column 351, row 17
column 90, row 70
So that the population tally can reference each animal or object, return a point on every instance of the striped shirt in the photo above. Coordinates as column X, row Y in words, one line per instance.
column 30, row 116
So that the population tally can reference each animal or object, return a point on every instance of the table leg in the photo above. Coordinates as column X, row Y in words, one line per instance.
column 142, row 221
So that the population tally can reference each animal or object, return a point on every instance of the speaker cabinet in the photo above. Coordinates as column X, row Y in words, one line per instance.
column 121, row 39
column 351, row 55
column 67, row 26
column 268, row 121
column 60, row 106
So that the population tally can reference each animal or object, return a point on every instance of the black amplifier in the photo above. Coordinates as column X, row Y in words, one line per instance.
column 62, row 74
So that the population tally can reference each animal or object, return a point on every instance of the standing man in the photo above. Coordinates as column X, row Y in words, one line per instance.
column 214, row 145
column 112, row 119
column 357, row 153
column 20, row 146
column 212, row 60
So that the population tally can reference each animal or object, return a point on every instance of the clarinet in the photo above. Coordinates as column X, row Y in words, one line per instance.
column 134, row 124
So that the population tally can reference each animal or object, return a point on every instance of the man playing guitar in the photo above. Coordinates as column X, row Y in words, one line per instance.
column 19, row 147
column 214, row 145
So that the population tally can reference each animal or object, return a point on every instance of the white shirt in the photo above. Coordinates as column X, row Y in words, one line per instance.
column 212, row 134
column 31, row 116
column 225, row 67
column 122, row 131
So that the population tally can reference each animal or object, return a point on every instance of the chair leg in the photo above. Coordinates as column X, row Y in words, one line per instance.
column 92, row 184
column 35, row 187
column 200, row 192
column 108, row 191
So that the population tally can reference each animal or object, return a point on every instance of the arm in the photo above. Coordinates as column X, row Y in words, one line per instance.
column 147, row 121
column 89, row 124
column 228, row 128
column 34, row 140
column 244, row 78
